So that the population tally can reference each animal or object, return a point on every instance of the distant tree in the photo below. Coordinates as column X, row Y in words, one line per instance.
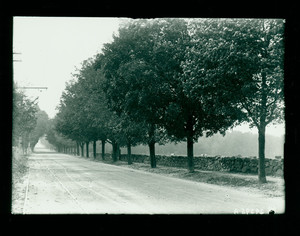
column 76, row 118
column 57, row 140
column 92, row 111
column 24, row 119
column 67, row 120
column 42, row 122
column 134, row 69
column 130, row 134
column 84, row 114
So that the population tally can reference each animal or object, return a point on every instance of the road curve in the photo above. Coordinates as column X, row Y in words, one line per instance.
column 64, row 184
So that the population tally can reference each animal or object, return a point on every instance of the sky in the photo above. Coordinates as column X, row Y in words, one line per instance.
column 53, row 47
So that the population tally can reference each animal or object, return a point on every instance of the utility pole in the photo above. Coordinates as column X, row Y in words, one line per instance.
column 18, row 53
column 39, row 88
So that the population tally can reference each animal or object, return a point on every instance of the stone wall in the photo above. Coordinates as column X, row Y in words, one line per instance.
column 227, row 164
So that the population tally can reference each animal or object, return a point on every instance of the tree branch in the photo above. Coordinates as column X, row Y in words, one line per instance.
column 109, row 141
column 250, row 113
column 275, row 99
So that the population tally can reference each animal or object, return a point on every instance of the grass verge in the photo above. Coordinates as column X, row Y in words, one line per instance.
column 19, row 170
column 240, row 181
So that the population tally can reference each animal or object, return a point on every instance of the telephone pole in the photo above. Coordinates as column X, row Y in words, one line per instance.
column 18, row 53
column 39, row 88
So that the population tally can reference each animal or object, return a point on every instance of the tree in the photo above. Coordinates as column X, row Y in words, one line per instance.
column 78, row 108
column 67, row 120
column 83, row 112
column 244, row 59
column 133, row 83
column 24, row 119
column 42, row 122
column 60, row 142
column 148, row 77
column 263, row 95
column 197, row 103
column 130, row 134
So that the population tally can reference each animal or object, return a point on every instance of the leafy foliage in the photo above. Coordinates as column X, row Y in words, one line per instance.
column 56, row 139
column 177, row 79
column 244, row 60
column 24, row 119
column 42, row 123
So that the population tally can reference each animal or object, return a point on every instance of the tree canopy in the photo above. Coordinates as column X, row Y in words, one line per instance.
column 42, row 125
column 244, row 60
column 24, row 118
column 178, row 79
column 148, row 75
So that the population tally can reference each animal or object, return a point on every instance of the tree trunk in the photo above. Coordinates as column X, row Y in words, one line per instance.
column 152, row 146
column 190, row 145
column 115, row 150
column 103, row 149
column 77, row 149
column 190, row 153
column 261, row 155
column 129, row 160
column 152, row 154
column 119, row 153
column 82, row 149
column 87, row 149
column 261, row 132
column 32, row 148
column 94, row 149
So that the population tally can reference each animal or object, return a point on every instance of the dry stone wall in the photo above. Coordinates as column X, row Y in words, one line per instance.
column 227, row 164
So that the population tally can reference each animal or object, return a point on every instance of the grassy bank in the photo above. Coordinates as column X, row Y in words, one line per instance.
column 239, row 181
column 19, row 170
column 19, row 165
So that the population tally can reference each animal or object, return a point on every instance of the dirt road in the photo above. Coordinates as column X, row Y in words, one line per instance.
column 63, row 184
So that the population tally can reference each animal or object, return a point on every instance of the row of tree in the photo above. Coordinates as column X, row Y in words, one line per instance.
column 29, row 121
column 177, row 80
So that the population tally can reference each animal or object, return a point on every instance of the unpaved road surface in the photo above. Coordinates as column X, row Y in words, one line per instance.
column 63, row 184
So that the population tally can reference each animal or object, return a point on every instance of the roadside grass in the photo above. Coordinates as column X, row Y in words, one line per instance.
column 19, row 170
column 19, row 165
column 240, row 181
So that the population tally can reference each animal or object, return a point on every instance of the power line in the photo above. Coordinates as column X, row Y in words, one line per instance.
column 19, row 53
column 33, row 87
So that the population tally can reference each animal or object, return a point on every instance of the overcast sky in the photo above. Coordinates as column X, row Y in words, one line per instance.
column 50, row 50
column 52, row 47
